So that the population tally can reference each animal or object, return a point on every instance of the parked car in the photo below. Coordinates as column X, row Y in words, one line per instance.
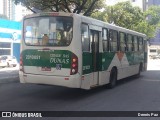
column 156, row 57
column 7, row 61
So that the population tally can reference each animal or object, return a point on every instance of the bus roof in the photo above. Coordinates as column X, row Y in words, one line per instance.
column 88, row 20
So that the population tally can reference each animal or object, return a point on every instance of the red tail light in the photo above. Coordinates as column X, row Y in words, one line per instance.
column 74, row 64
column 21, row 63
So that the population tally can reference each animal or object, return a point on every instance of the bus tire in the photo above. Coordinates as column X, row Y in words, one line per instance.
column 139, row 71
column 113, row 78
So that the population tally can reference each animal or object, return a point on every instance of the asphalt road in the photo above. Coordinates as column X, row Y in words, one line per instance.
column 131, row 94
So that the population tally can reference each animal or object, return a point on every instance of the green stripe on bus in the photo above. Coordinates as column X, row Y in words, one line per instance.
column 87, row 63
column 106, row 59
column 103, row 61
column 47, row 58
column 135, row 57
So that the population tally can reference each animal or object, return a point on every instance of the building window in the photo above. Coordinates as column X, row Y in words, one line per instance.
column 153, row 50
column 5, row 48
column 5, row 45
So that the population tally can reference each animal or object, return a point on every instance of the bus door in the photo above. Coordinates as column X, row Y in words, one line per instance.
column 94, row 37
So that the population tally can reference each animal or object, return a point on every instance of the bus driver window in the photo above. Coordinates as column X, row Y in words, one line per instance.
column 45, row 39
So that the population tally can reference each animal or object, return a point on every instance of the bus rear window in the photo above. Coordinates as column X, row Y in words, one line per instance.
column 48, row 31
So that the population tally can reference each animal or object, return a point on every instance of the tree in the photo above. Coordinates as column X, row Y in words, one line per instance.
column 146, row 28
column 153, row 15
column 72, row 6
column 3, row 16
column 125, row 15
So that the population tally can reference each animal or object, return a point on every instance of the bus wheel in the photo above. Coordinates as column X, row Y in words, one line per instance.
column 139, row 71
column 113, row 78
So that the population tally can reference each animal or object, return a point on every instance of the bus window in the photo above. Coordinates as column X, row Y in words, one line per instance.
column 140, row 43
column 113, row 38
column 105, row 39
column 85, row 38
column 122, row 41
column 48, row 31
column 135, row 43
column 45, row 39
column 129, row 42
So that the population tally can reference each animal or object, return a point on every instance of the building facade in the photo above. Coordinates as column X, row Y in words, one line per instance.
column 12, row 11
column 7, row 7
column 10, row 35
column 154, row 43
column 21, row 12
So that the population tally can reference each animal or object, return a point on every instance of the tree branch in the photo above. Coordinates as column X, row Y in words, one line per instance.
column 31, row 9
column 90, row 8
column 82, row 6
column 66, row 6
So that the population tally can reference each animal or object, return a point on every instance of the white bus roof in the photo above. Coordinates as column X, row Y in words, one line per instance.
column 89, row 20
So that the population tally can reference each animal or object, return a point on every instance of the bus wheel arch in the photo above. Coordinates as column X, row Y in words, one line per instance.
column 113, row 77
column 140, row 69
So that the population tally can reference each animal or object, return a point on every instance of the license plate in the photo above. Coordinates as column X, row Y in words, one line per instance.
column 58, row 66
column 46, row 69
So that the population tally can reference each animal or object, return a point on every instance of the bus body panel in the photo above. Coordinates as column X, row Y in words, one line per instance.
column 50, row 62
column 94, row 66
column 52, row 65
column 72, row 81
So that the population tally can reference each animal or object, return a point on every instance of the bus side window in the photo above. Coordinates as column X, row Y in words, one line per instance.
column 113, row 38
column 123, row 46
column 140, row 44
column 105, row 39
column 85, row 38
column 135, row 43
column 129, row 42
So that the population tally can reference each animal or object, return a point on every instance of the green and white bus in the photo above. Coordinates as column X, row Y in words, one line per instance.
column 75, row 51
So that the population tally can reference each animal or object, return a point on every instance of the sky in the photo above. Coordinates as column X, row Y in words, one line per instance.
column 110, row 2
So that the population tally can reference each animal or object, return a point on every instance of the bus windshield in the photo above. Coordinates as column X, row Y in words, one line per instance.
column 48, row 31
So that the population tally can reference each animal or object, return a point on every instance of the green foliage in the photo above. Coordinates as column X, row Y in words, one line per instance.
column 3, row 16
column 153, row 15
column 146, row 28
column 125, row 15
column 72, row 6
column 122, row 14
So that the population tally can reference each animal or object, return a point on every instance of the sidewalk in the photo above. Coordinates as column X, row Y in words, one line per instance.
column 153, row 64
column 9, row 74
